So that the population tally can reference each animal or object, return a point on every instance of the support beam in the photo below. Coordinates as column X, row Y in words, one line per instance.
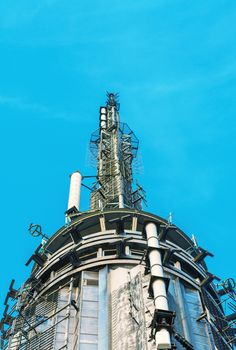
column 134, row 223
column 102, row 223
column 37, row 257
column 208, row 279
column 202, row 253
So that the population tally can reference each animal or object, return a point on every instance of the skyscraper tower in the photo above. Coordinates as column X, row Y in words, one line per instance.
column 116, row 277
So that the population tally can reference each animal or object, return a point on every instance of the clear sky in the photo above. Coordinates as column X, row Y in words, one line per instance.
column 173, row 63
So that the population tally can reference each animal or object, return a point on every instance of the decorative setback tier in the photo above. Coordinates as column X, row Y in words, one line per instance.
column 93, row 287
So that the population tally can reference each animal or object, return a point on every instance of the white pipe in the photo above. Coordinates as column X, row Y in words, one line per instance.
column 162, row 337
column 75, row 188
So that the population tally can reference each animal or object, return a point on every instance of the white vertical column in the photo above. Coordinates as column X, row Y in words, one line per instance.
column 159, row 289
column 75, row 188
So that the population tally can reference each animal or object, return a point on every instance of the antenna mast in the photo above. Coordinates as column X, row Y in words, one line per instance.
column 115, row 146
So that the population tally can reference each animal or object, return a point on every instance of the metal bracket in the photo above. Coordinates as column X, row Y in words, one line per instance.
column 146, row 259
column 154, row 278
column 208, row 279
column 202, row 253
column 11, row 293
column 168, row 254
column 37, row 257
column 74, row 260
column 182, row 341
column 162, row 319
column 164, row 230
column 71, row 211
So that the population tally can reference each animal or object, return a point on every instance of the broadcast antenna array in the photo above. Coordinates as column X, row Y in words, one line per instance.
column 115, row 146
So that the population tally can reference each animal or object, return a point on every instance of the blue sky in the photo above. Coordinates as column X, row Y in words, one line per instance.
column 173, row 63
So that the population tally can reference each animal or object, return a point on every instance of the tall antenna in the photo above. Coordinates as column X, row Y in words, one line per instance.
column 115, row 146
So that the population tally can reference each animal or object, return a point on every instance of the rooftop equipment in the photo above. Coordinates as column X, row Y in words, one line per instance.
column 115, row 277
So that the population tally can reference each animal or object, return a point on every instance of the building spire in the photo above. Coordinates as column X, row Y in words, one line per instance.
column 115, row 146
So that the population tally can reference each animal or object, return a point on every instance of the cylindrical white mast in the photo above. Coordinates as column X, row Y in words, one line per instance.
column 162, row 336
column 75, row 188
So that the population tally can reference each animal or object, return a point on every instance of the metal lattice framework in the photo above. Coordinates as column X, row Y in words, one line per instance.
column 36, row 322
column 115, row 146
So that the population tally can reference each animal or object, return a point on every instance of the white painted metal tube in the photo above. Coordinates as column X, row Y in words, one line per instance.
column 156, row 268
column 162, row 337
column 75, row 189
